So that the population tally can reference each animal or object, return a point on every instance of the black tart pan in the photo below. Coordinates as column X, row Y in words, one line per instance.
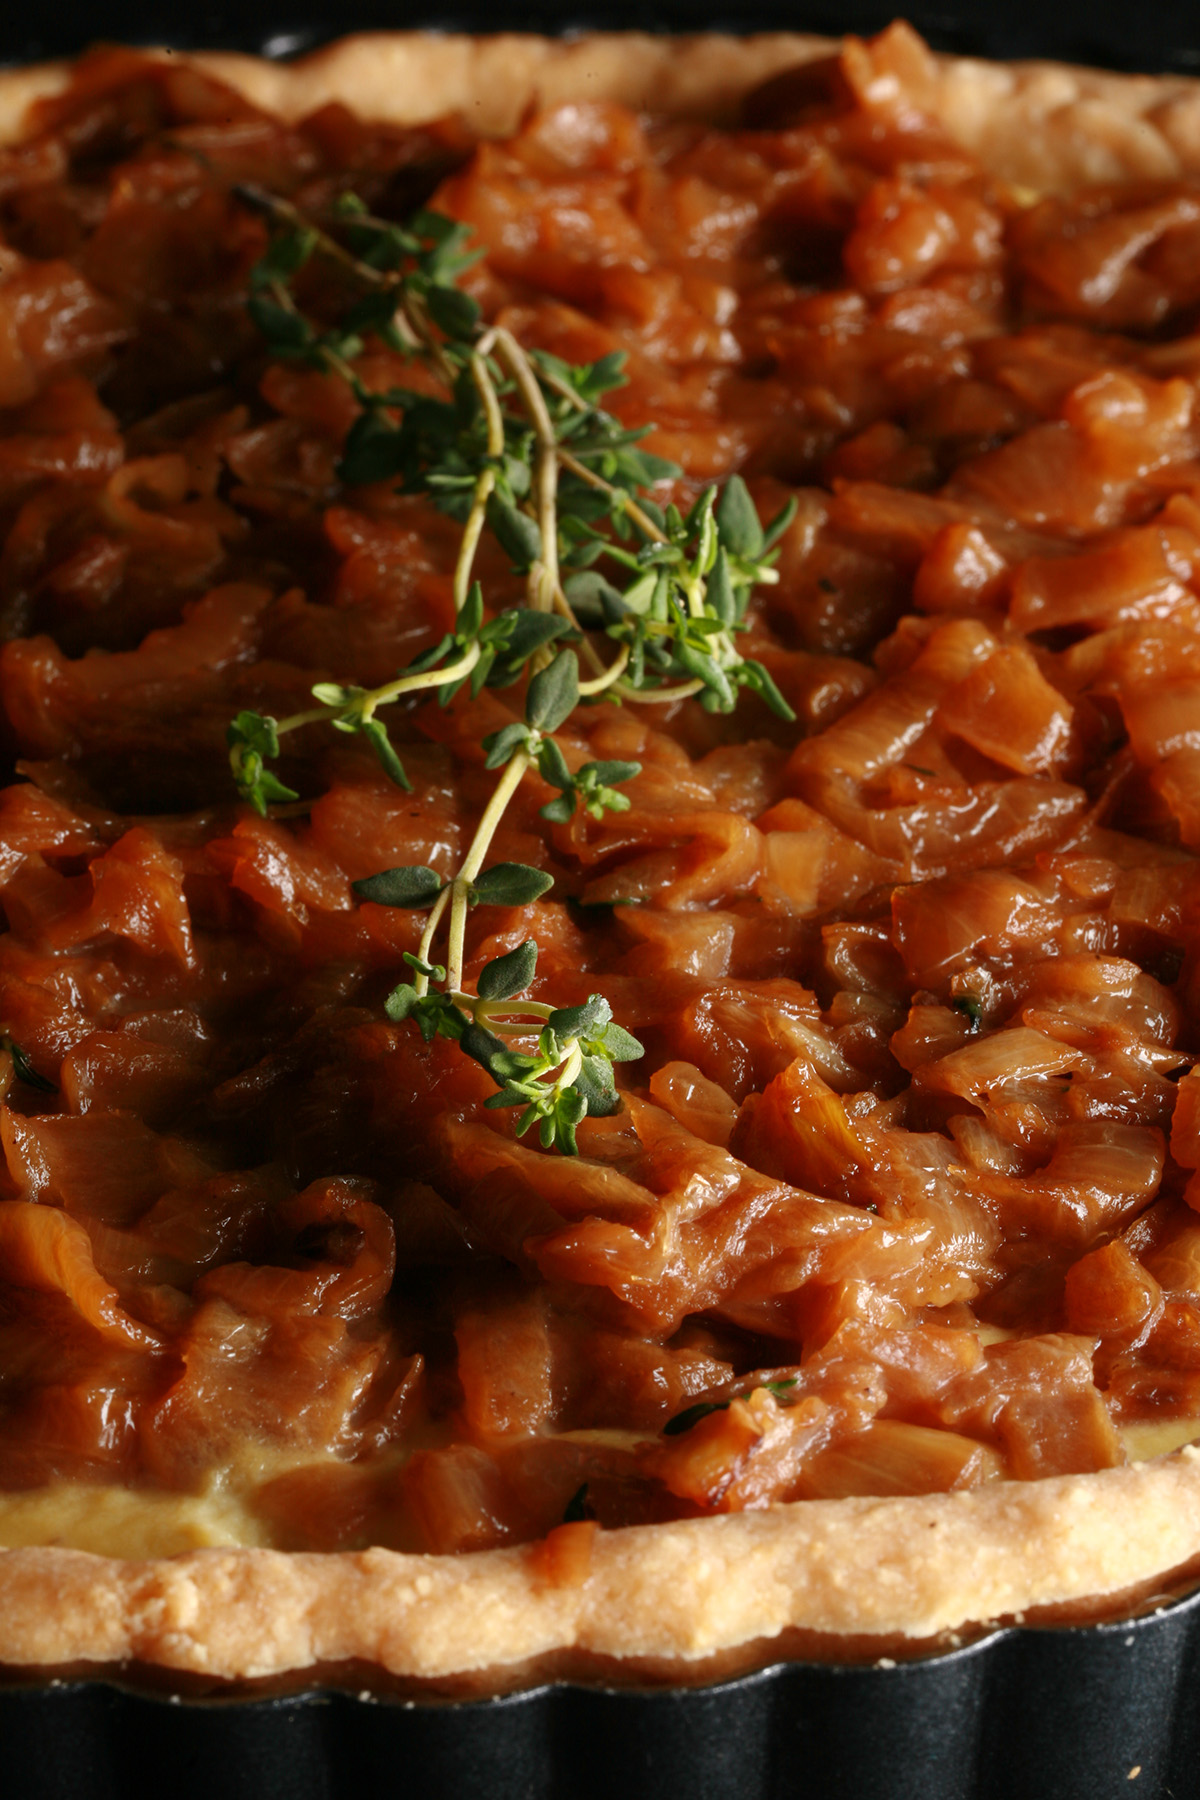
column 1106, row 1711
column 1098, row 1712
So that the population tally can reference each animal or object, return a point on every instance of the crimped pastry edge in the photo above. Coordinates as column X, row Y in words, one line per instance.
column 908, row 1567
column 892, row 1568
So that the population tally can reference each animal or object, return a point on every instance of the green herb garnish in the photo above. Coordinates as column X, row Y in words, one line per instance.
column 624, row 600
column 577, row 1508
column 24, row 1069
column 692, row 1415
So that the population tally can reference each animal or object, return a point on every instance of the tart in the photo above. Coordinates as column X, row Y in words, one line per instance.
column 869, row 1309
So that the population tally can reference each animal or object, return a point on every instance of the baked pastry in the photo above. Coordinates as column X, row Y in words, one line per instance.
column 864, row 1315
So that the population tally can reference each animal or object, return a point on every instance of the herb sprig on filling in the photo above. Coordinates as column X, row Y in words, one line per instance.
column 625, row 601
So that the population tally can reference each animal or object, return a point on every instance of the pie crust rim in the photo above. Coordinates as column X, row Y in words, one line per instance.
column 671, row 1594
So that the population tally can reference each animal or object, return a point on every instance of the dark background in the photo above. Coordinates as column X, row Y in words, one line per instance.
column 1138, row 34
column 1019, row 1716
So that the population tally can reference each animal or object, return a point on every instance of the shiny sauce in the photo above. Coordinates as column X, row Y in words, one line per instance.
column 903, row 1196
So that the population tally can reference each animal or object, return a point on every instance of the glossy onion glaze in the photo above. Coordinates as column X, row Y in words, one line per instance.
column 901, row 1196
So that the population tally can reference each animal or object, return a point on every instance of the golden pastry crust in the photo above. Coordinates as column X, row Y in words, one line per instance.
column 677, row 1593
column 682, row 1592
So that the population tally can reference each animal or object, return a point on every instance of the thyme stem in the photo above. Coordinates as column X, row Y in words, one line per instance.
column 610, row 676
column 489, row 450
column 486, row 389
column 642, row 520
column 664, row 696
column 293, row 722
column 546, row 473
column 370, row 698
column 421, row 980
column 485, row 831
column 426, row 678
column 472, row 531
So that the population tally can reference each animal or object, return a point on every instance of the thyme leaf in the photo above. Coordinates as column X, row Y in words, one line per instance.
column 517, row 444
column 509, row 975
column 510, row 884
column 577, row 1508
column 412, row 885
column 24, row 1069
column 692, row 1415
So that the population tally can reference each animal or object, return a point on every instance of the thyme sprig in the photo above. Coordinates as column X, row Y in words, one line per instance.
column 649, row 599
